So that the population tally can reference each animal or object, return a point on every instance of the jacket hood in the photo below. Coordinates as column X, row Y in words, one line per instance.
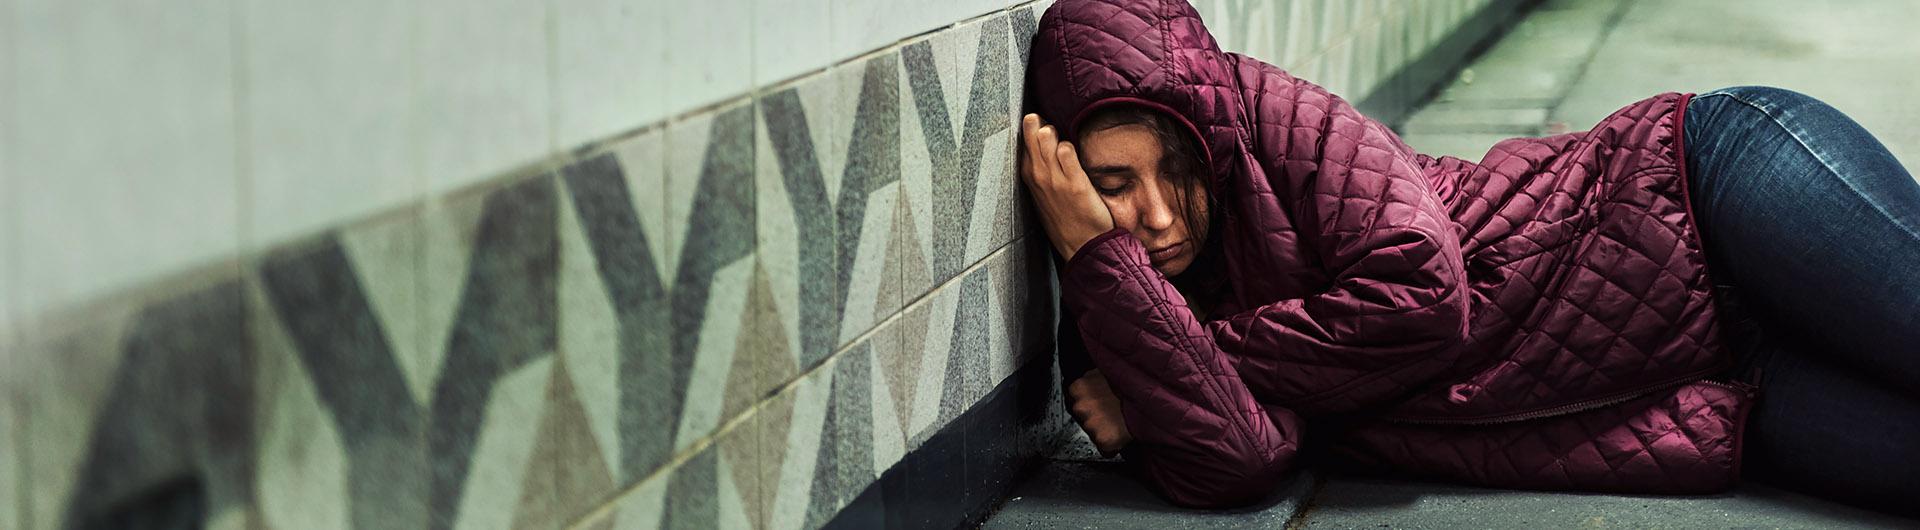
column 1089, row 54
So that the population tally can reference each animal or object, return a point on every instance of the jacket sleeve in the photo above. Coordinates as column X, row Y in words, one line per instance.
column 1198, row 433
column 1394, row 307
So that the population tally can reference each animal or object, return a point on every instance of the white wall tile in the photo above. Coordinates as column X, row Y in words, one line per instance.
column 9, row 199
column 130, row 164
column 709, row 52
column 860, row 26
column 481, row 100
column 790, row 37
column 608, row 60
column 327, row 113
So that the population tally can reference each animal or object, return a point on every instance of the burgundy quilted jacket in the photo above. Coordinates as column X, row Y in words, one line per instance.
column 1541, row 319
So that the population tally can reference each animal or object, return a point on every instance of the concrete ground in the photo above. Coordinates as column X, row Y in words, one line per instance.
column 1564, row 67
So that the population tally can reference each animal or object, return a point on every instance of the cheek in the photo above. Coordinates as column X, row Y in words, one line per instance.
column 1122, row 211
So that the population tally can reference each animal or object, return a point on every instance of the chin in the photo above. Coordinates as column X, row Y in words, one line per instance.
column 1175, row 266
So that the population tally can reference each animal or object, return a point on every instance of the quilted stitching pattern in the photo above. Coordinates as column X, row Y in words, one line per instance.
column 1367, row 276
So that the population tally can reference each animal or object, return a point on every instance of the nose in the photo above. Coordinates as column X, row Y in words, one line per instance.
column 1157, row 213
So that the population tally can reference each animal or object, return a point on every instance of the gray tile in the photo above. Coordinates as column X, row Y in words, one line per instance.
column 960, row 100
column 966, row 366
column 845, row 458
column 799, row 245
column 318, row 302
column 1347, row 503
column 505, row 321
column 869, row 190
column 177, row 408
column 1105, row 495
column 304, row 467
column 629, row 269
column 567, row 474
column 13, row 497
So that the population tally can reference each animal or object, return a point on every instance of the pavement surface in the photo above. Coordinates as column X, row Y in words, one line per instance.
column 1570, row 63
column 1563, row 67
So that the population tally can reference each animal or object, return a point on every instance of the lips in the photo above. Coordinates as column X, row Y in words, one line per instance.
column 1162, row 254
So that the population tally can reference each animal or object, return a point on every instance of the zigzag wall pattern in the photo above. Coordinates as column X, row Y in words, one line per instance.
column 739, row 319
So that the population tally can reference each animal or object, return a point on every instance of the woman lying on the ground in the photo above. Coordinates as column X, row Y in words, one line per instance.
column 1250, row 263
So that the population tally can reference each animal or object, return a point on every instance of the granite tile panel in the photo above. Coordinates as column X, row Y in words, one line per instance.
column 164, row 442
column 318, row 303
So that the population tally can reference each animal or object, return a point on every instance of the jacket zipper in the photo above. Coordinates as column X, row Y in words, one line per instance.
column 1584, row 405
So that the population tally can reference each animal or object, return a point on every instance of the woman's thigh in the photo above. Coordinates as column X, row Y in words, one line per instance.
column 1828, row 431
column 1814, row 221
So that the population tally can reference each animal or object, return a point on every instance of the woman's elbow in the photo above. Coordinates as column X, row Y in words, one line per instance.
column 1226, row 478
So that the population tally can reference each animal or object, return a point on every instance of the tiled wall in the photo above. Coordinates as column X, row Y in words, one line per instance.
column 807, row 295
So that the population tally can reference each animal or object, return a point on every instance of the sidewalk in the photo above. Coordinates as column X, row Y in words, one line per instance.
column 1571, row 62
column 1565, row 66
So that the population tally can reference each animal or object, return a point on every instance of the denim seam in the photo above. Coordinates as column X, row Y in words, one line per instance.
column 1824, row 162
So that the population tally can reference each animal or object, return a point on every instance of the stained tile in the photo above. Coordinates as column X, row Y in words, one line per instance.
column 607, row 60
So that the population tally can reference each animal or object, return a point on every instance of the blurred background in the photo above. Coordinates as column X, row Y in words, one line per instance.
column 637, row 263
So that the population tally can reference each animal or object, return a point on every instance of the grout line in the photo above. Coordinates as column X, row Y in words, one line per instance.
column 726, row 427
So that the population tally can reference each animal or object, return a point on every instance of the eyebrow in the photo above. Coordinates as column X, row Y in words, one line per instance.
column 1110, row 170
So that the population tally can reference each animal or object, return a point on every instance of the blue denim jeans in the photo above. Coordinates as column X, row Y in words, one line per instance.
column 1812, row 235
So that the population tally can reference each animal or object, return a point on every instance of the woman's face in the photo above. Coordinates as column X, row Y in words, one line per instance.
column 1124, row 163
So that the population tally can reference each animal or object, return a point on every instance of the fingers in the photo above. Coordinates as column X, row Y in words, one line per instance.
column 1068, row 159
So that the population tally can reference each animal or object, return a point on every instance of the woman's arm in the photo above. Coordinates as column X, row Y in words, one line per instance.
column 1360, row 203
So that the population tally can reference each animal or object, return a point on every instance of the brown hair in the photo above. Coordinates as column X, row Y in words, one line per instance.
column 1179, row 160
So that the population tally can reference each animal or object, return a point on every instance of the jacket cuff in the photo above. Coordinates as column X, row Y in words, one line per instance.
column 1090, row 247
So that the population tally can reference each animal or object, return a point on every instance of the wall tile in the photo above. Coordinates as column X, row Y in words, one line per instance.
column 709, row 52
column 860, row 26
column 960, row 130
column 9, row 194
column 481, row 97
column 13, row 438
column 133, row 404
column 791, row 37
column 710, row 214
column 610, row 233
column 304, row 469
column 313, row 322
column 608, row 59
column 164, row 197
column 616, row 199
column 329, row 127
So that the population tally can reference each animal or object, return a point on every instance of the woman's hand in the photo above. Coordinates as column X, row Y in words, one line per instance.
column 1098, row 411
column 1069, row 207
